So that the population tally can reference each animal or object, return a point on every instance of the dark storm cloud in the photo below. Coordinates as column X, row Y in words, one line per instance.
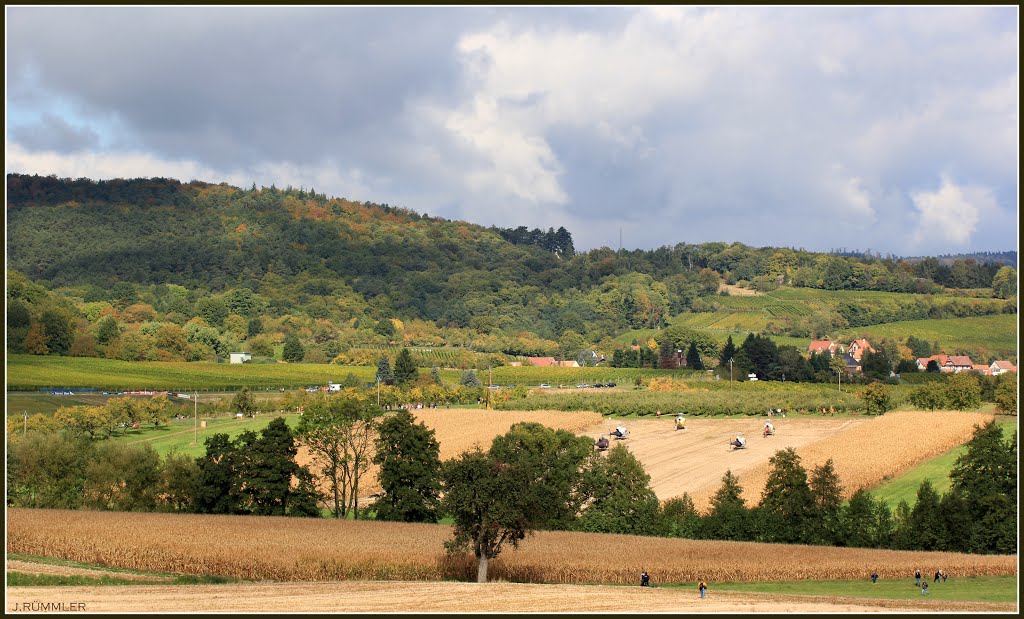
column 52, row 132
column 881, row 128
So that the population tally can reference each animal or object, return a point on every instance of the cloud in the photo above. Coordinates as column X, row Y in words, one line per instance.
column 951, row 213
column 785, row 126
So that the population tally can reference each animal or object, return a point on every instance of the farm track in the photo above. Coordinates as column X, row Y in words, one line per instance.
column 29, row 567
column 455, row 597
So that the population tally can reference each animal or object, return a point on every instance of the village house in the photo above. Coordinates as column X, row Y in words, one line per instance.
column 1001, row 367
column 984, row 370
column 852, row 363
column 859, row 347
column 948, row 364
column 820, row 346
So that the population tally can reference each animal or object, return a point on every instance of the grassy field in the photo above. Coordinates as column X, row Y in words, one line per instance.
column 973, row 589
column 995, row 334
column 936, row 471
column 181, row 433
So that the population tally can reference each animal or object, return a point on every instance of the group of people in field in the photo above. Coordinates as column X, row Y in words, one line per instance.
column 702, row 585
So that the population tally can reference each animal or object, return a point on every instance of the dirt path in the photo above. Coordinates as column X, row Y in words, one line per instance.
column 28, row 567
column 451, row 597
column 695, row 459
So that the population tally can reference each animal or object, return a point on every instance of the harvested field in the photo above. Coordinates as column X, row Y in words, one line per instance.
column 694, row 460
column 458, row 430
column 454, row 597
column 885, row 446
column 864, row 450
column 283, row 549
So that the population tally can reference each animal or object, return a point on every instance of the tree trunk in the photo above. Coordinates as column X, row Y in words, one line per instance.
column 481, row 568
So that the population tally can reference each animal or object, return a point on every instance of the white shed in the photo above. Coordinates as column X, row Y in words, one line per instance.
column 240, row 357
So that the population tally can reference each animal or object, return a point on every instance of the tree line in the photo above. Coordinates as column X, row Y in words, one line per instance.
column 158, row 269
column 530, row 478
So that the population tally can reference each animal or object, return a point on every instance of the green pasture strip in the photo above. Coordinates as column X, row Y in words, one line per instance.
column 995, row 589
column 31, row 372
column 44, row 560
column 904, row 487
column 179, row 436
column 996, row 333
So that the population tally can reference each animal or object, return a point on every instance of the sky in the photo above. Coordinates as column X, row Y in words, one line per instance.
column 889, row 129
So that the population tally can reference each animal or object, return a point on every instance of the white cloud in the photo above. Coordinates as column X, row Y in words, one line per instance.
column 326, row 177
column 951, row 213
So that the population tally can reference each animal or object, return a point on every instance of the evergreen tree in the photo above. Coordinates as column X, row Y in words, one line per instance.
column 885, row 526
column 410, row 469
column 405, row 369
column 679, row 518
column 786, row 512
column 693, row 361
column 729, row 517
column 827, row 494
column 956, row 522
column 902, row 537
column 384, row 374
column 621, row 497
column 728, row 352
column 926, row 519
column 293, row 349
column 266, row 467
column 859, row 520
column 986, row 477
column 470, row 379
column 218, row 490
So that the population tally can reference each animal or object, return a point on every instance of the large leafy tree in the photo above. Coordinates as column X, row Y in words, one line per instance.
column 60, row 333
column 410, row 470
column 123, row 478
column 293, row 352
column 620, row 499
column 499, row 496
column 876, row 399
column 340, row 433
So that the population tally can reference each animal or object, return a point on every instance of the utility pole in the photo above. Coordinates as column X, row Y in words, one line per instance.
column 730, row 369
column 378, row 391
column 25, row 413
column 840, row 375
column 195, row 417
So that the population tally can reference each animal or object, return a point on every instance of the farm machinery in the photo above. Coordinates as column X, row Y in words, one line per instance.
column 602, row 443
column 769, row 429
column 620, row 433
column 740, row 442
column 680, row 422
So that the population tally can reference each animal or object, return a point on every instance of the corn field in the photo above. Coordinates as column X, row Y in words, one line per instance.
column 289, row 549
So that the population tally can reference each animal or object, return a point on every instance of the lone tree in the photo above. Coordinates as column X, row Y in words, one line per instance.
column 499, row 496
column 410, row 470
column 339, row 432
column 243, row 402
column 876, row 399
column 405, row 369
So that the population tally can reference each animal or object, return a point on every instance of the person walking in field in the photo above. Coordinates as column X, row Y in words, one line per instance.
column 703, row 587
column 645, row 579
column 924, row 588
column 938, row 575
column 874, row 577
column 943, row 573
column 917, row 577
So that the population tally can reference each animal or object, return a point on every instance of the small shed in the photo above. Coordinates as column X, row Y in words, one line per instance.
column 241, row 357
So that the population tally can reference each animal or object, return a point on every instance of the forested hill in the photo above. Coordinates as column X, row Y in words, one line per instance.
column 175, row 251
